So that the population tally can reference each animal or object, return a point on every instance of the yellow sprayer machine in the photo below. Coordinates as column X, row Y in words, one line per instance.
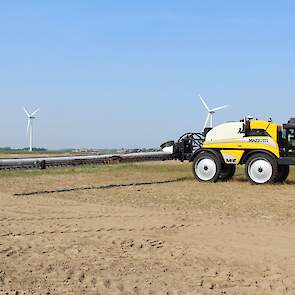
column 266, row 149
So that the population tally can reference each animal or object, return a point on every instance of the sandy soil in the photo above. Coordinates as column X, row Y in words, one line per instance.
column 182, row 237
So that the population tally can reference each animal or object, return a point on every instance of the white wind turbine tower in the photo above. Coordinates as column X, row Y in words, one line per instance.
column 31, row 118
column 211, row 112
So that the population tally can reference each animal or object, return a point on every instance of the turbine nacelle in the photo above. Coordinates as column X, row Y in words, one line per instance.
column 211, row 112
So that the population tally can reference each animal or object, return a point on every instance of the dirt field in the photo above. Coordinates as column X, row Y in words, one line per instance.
column 179, row 237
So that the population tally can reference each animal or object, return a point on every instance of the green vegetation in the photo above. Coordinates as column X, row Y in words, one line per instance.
column 167, row 168
column 157, row 168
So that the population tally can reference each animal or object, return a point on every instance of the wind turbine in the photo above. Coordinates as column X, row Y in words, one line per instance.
column 211, row 112
column 31, row 117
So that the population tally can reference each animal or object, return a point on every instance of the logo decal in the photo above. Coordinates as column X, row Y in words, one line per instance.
column 258, row 140
column 229, row 159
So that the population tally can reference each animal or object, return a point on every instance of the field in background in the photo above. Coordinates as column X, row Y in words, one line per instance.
column 27, row 154
column 51, row 153
column 10, row 153
column 181, row 237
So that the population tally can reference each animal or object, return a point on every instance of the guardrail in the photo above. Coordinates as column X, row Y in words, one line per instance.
column 44, row 162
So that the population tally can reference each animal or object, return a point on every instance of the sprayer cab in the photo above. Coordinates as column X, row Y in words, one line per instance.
column 287, row 139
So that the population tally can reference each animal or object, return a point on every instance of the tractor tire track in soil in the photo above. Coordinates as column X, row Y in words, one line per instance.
column 103, row 187
column 111, row 229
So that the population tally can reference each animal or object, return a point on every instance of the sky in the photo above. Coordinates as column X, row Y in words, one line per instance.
column 113, row 74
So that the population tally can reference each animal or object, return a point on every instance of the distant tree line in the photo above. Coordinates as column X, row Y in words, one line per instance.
column 10, row 149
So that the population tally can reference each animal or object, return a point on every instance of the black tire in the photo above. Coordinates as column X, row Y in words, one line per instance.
column 227, row 172
column 268, row 171
column 200, row 172
column 283, row 173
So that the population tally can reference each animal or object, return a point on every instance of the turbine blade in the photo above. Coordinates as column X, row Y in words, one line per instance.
column 27, row 113
column 219, row 108
column 204, row 103
column 35, row 112
column 207, row 120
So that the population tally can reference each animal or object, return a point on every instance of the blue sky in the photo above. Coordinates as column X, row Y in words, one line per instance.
column 127, row 73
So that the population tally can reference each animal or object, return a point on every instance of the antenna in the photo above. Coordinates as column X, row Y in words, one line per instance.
column 211, row 112
column 30, row 117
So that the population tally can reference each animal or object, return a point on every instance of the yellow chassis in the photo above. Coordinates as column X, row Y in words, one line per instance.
column 234, row 149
